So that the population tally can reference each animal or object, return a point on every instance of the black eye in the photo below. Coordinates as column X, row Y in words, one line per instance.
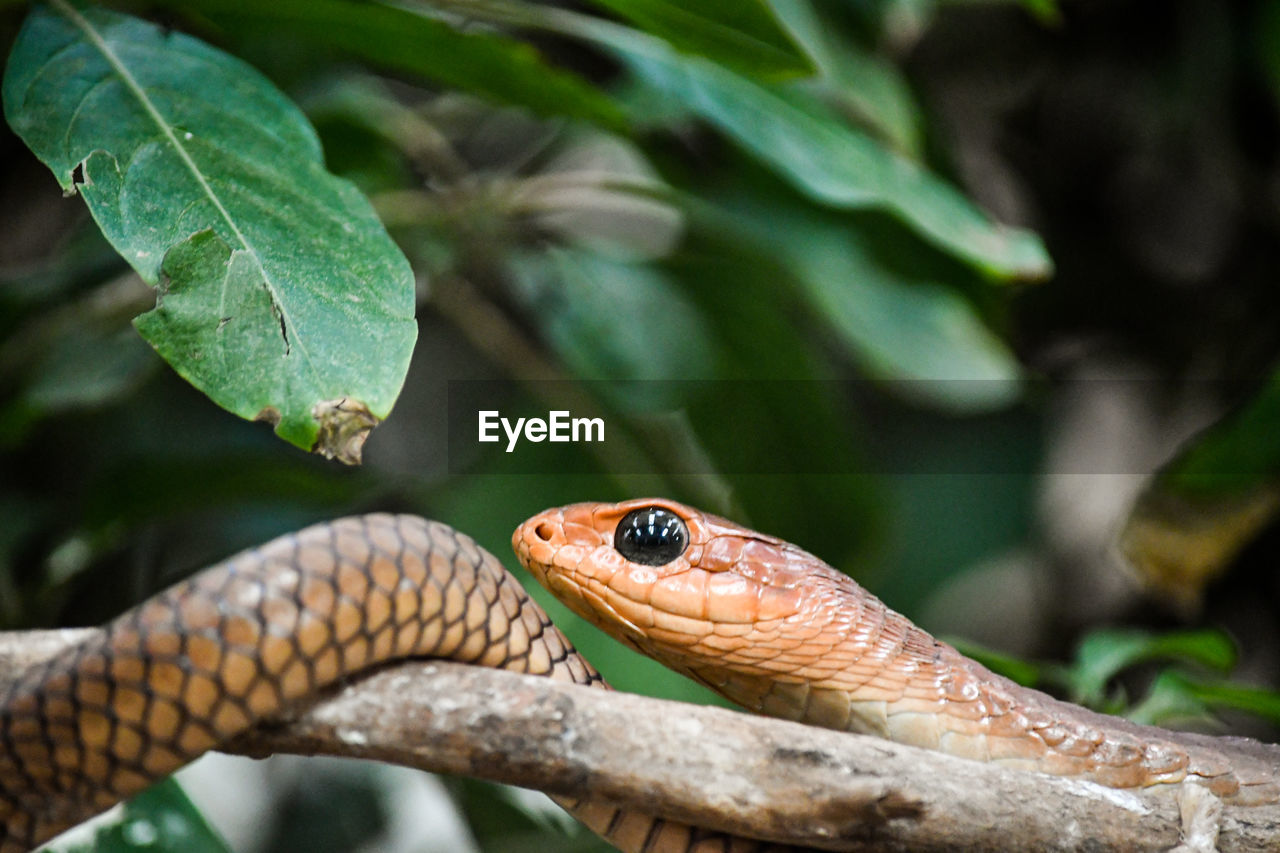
column 651, row 536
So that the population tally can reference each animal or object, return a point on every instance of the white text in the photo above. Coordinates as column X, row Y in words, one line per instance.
column 558, row 427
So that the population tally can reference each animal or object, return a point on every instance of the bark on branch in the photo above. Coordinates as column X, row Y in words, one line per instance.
column 721, row 769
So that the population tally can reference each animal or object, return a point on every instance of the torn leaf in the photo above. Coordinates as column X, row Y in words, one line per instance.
column 344, row 426
column 279, row 289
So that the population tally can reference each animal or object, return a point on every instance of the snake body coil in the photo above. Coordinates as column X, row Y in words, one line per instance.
column 201, row 662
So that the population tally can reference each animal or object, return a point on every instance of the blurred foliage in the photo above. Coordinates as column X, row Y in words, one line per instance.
column 1103, row 654
column 504, row 820
column 1175, row 699
column 1179, row 693
column 1209, row 501
column 1179, row 542
column 161, row 818
column 827, row 224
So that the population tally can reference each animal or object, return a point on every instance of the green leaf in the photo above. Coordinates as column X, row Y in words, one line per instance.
column 744, row 34
column 899, row 324
column 1103, row 654
column 280, row 294
column 900, row 329
column 1236, row 455
column 160, row 818
column 614, row 320
column 1169, row 702
column 861, row 82
column 827, row 160
column 487, row 64
column 1254, row 700
column 1174, row 697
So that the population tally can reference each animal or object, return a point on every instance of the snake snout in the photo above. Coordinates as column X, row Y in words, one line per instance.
column 545, row 527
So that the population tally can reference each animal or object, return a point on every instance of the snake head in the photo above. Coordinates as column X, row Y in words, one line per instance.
column 665, row 577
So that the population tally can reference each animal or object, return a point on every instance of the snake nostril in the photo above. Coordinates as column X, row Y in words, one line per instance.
column 543, row 531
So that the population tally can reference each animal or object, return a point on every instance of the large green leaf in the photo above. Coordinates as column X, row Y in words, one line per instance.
column 920, row 335
column 828, row 160
column 280, row 294
column 902, row 325
column 744, row 34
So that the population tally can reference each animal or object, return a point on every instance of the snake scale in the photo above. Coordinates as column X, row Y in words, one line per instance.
column 764, row 623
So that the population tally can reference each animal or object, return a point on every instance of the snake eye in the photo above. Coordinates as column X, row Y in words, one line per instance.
column 651, row 536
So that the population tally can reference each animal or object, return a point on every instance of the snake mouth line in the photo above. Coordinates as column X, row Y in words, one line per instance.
column 592, row 591
column 603, row 604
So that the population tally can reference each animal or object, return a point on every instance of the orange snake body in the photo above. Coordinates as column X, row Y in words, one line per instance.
column 757, row 619
column 776, row 630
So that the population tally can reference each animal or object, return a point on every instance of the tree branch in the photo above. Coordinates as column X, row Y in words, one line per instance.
column 708, row 766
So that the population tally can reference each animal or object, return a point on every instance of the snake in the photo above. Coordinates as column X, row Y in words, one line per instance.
column 761, row 621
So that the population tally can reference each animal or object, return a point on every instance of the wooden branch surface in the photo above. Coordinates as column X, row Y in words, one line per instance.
column 748, row 775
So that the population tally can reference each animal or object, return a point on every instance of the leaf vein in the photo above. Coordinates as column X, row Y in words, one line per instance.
column 132, row 84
